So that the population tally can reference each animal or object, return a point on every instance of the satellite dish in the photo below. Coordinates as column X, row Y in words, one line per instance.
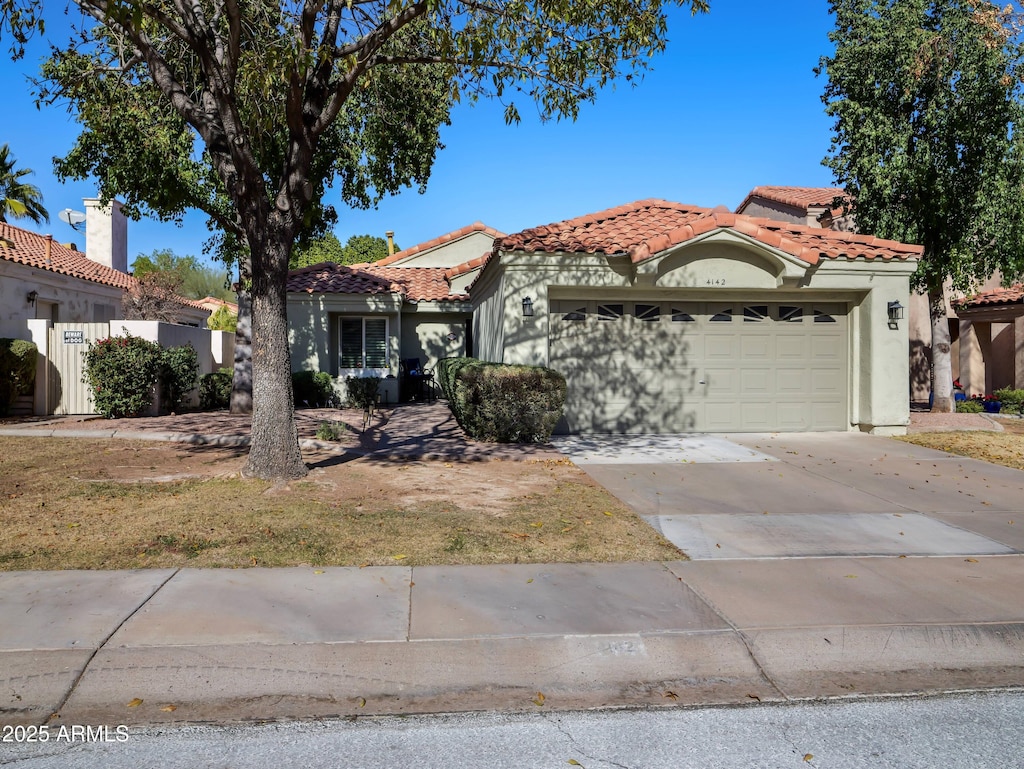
column 72, row 218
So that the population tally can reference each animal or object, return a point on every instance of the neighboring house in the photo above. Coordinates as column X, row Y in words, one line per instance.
column 43, row 279
column 213, row 304
column 991, row 339
column 364, row 319
column 672, row 318
column 982, row 364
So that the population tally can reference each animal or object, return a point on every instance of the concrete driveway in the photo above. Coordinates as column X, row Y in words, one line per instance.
column 757, row 496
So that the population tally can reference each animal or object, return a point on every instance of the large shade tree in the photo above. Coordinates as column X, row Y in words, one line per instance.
column 925, row 96
column 280, row 97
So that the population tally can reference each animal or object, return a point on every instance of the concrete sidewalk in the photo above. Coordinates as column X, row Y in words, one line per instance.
column 223, row 645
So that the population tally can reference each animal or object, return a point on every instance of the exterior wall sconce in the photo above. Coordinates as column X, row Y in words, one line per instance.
column 31, row 297
column 527, row 307
column 895, row 314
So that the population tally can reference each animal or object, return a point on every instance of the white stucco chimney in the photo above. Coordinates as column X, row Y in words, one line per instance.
column 106, row 234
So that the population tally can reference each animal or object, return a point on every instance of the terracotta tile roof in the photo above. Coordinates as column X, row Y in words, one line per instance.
column 798, row 197
column 1011, row 295
column 648, row 227
column 44, row 253
column 462, row 269
column 413, row 283
column 440, row 241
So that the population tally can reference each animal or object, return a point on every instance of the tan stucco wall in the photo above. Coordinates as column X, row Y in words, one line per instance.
column 77, row 301
column 425, row 336
column 455, row 252
column 878, row 360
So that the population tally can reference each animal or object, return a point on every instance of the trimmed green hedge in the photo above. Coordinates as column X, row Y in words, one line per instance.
column 313, row 388
column 17, row 371
column 215, row 389
column 500, row 402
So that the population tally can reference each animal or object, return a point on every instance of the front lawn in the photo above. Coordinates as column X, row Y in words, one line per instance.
column 1005, row 448
column 114, row 504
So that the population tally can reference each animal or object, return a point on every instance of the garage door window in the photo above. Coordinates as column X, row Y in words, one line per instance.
column 823, row 317
column 723, row 316
column 791, row 314
column 681, row 316
column 755, row 313
column 648, row 313
column 576, row 316
column 609, row 311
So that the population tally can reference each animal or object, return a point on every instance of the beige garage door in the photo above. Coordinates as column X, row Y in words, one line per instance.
column 663, row 367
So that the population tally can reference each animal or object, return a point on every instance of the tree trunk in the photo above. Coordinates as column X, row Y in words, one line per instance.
column 942, row 363
column 241, row 381
column 274, row 453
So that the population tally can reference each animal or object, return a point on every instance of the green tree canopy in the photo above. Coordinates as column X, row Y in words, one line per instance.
column 194, row 279
column 926, row 98
column 18, row 199
column 327, row 248
column 251, row 111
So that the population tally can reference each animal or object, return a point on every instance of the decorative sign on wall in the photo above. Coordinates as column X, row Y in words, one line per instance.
column 74, row 337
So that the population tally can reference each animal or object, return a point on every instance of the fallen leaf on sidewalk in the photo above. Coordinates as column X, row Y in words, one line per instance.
column 670, row 695
column 851, row 576
column 574, row 762
column 529, row 580
column 400, row 557
column 755, row 697
column 169, row 708
column 361, row 702
column 134, row 703
column 808, row 756
column 539, row 699
column 971, row 560
column 318, row 571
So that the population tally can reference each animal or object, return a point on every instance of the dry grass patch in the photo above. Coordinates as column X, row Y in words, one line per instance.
column 105, row 504
column 1005, row 448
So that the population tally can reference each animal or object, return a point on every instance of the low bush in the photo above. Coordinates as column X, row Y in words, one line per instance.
column 121, row 372
column 969, row 407
column 501, row 402
column 330, row 431
column 179, row 372
column 215, row 389
column 1012, row 400
column 313, row 388
column 362, row 391
column 17, row 371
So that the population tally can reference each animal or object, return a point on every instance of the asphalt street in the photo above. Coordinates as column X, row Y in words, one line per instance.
column 961, row 731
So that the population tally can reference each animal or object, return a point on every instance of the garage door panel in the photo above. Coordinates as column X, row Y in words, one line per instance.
column 790, row 381
column 756, row 416
column 792, row 416
column 756, row 381
column 757, row 347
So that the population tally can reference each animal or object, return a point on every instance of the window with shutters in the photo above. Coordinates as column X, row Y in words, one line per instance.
column 364, row 343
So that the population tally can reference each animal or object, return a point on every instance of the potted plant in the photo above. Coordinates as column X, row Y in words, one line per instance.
column 992, row 404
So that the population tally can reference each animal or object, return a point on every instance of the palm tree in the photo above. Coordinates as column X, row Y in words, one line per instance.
column 18, row 199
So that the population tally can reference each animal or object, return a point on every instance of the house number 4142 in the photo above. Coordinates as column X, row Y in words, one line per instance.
column 715, row 282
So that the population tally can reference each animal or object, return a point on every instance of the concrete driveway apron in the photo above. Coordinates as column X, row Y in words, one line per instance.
column 757, row 496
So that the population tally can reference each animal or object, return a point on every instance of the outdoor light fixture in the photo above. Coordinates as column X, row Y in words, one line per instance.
column 31, row 298
column 527, row 307
column 895, row 314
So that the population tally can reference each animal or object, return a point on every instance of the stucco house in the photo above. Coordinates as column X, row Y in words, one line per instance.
column 672, row 318
column 43, row 279
column 991, row 339
column 364, row 320
column 663, row 318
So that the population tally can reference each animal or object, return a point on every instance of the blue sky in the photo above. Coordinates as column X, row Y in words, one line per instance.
column 733, row 103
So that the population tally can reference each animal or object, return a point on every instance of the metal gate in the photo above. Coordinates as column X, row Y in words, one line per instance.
column 68, row 394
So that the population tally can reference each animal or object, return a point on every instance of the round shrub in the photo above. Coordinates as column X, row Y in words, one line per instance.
column 179, row 370
column 215, row 389
column 121, row 372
